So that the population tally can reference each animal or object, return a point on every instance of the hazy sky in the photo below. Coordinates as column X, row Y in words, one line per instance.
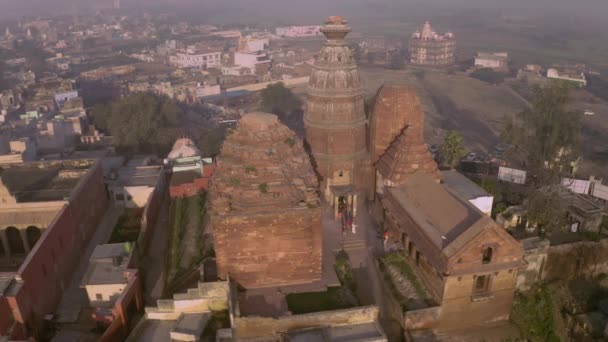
column 291, row 8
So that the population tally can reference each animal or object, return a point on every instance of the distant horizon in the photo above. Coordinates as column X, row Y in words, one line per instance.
column 311, row 9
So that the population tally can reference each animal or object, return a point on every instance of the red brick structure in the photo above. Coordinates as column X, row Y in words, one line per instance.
column 186, row 183
column 395, row 107
column 191, row 173
column 467, row 262
column 35, row 290
column 264, row 209
column 334, row 122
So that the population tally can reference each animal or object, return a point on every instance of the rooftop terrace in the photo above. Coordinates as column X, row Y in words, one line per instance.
column 43, row 181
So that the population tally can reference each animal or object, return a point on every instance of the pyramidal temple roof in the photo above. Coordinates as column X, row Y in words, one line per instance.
column 407, row 155
column 262, row 167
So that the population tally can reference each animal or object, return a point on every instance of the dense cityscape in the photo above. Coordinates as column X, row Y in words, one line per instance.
column 171, row 179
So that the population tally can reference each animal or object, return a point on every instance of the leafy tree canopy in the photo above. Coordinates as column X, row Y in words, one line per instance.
column 140, row 123
column 546, row 138
column 452, row 149
column 210, row 140
column 279, row 100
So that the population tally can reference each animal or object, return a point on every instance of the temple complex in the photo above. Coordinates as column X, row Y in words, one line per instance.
column 428, row 48
column 265, row 212
column 334, row 121
column 467, row 263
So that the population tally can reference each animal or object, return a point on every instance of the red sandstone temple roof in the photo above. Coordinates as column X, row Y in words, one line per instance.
column 262, row 167
column 407, row 155
column 395, row 107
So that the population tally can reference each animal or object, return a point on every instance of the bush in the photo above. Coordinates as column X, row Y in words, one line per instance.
column 127, row 228
column 533, row 313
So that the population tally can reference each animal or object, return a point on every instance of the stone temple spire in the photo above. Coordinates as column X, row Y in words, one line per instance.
column 335, row 121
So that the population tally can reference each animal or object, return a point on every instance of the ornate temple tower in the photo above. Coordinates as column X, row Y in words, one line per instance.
column 335, row 122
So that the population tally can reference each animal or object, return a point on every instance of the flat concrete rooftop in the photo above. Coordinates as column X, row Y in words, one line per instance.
column 44, row 181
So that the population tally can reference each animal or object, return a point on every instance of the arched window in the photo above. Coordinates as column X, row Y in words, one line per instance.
column 340, row 174
column 487, row 255
column 33, row 234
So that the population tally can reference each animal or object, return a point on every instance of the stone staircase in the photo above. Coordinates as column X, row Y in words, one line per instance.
column 190, row 312
column 353, row 243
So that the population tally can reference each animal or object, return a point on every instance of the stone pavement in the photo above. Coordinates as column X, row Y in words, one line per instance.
column 74, row 297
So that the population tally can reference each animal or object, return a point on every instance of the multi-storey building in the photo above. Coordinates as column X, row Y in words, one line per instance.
column 428, row 48
column 196, row 59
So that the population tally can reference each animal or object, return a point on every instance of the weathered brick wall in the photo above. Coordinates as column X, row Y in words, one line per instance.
column 151, row 212
column 576, row 259
column 252, row 327
column 459, row 309
column 48, row 267
column 536, row 257
column 422, row 319
column 505, row 251
column 270, row 249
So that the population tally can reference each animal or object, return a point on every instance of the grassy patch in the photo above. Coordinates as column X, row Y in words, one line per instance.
column 333, row 299
column 403, row 301
column 127, row 228
column 178, row 224
column 263, row 188
column 534, row 314
column 397, row 260
column 219, row 320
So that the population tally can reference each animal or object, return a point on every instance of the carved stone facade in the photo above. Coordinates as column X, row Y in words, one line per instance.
column 428, row 48
column 335, row 121
column 265, row 212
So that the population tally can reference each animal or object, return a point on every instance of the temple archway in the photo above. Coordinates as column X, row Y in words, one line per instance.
column 33, row 233
column 15, row 244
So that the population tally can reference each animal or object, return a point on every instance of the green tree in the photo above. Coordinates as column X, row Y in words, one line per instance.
column 488, row 75
column 452, row 149
column 211, row 140
column 279, row 100
column 141, row 122
column 546, row 138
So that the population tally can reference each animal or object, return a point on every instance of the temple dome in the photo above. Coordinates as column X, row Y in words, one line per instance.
column 184, row 148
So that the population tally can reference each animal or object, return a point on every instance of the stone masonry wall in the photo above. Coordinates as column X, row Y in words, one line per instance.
column 576, row 259
column 252, row 327
column 270, row 249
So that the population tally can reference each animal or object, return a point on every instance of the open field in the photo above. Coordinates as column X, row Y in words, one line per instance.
column 457, row 102
column 453, row 102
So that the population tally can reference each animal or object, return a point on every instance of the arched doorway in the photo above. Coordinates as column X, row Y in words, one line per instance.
column 14, row 241
column 33, row 233
column 2, row 251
